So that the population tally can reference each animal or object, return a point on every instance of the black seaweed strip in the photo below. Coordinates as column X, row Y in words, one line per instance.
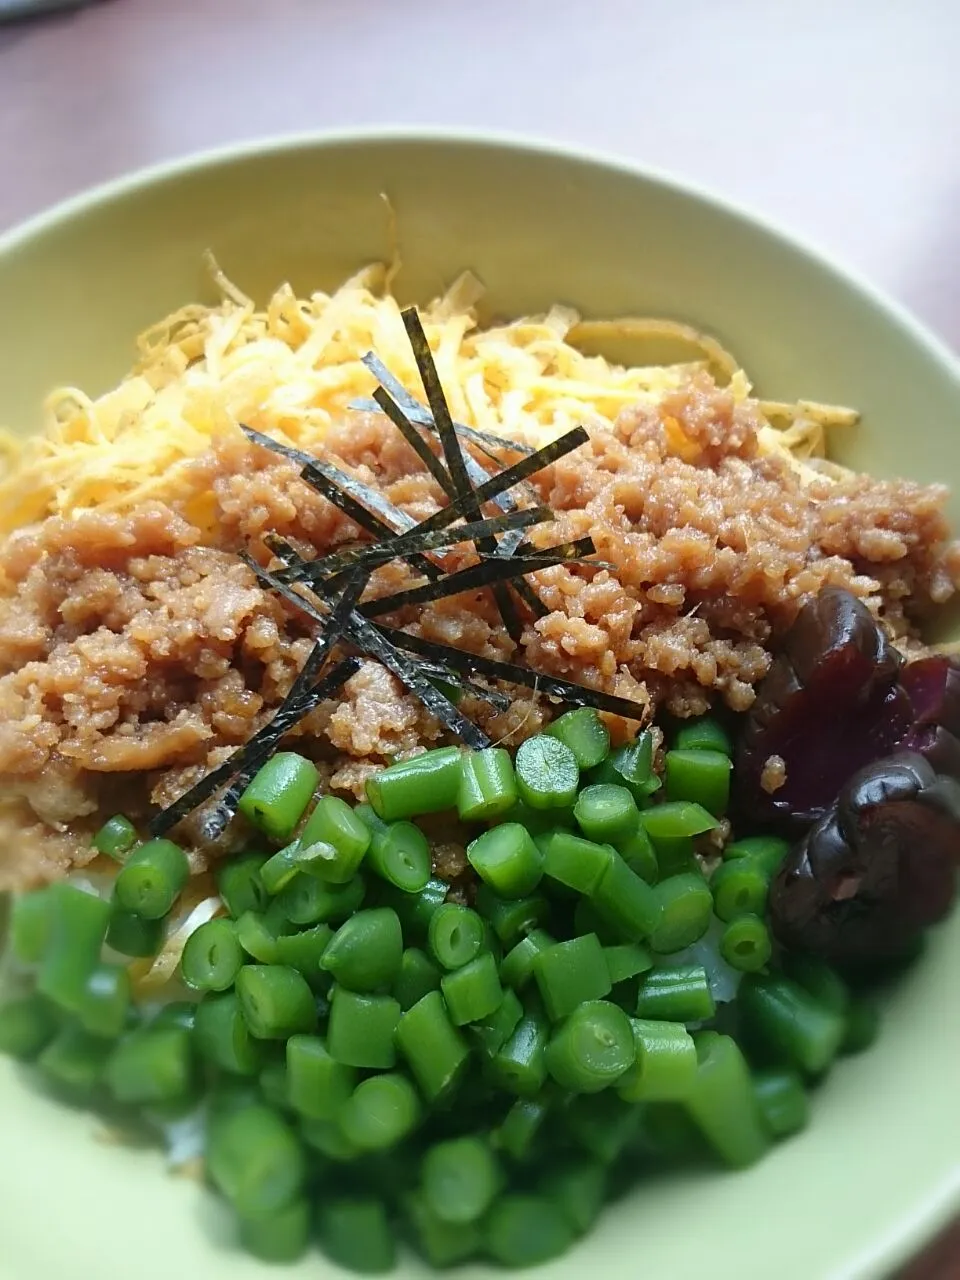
column 422, row 416
column 246, row 760
column 400, row 545
column 478, row 575
column 499, row 700
column 415, row 440
column 340, row 489
column 453, row 454
column 366, row 637
column 459, row 660
column 507, row 479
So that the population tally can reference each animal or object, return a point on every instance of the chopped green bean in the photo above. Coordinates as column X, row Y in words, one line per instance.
column 400, row 855
column 523, row 1230
column 488, row 785
column 418, row 975
column 626, row 960
column 116, row 837
column 569, row 973
column 31, row 924
column 150, row 880
column 282, row 1235
column 255, row 1159
column 783, row 1102
column 638, row 853
column 276, row 1001
column 212, row 957
column 304, row 951
column 723, row 1102
column 739, row 888
column 380, row 1112
column 355, row 1233
column 75, row 1061
column 766, row 851
column 318, row 1085
column 240, row 885
column 365, row 952
column 328, row 1138
column 151, row 1066
column 78, row 926
column 516, row 967
column 278, row 794
column 27, row 1025
column 130, row 935
column 627, row 903
column 686, row 908
column 335, row 823
column 592, row 1049
column 506, row 858
column 579, row 1187
column 361, row 1029
column 277, row 872
column 631, row 766
column 607, row 813
column 584, row 733
column 784, row 1021
column 428, row 783
column 820, row 979
column 745, row 944
column 573, row 861
column 416, row 909
column 703, row 734
column 519, row 1066
column 676, row 993
column 492, row 1032
column 443, row 1244
column 105, row 1004
column 700, row 776
column 307, row 900
column 521, row 1128
column 547, row 772
column 603, row 1125
column 223, row 1037
column 512, row 919
column 455, row 935
column 473, row 991
column 676, row 818
column 435, row 1050
column 460, row 1178
column 665, row 1066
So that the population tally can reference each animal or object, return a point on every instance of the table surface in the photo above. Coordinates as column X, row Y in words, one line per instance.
column 837, row 120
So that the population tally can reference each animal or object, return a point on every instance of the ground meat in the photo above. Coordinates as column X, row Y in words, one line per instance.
column 137, row 650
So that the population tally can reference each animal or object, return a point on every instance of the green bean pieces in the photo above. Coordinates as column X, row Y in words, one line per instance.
column 547, row 772
column 380, row 1112
column 488, row 785
column 592, row 1049
column 116, row 837
column 460, row 1179
column 151, row 879
column 366, row 951
column 428, row 783
column 255, row 1159
column 275, row 799
column 212, row 957
column 507, row 859
column 276, row 1001
column 400, row 855
column 584, row 733
column 455, row 935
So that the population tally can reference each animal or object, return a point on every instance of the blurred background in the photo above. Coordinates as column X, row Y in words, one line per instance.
column 837, row 118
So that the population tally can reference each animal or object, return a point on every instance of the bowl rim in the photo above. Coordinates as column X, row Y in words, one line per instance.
column 908, row 1234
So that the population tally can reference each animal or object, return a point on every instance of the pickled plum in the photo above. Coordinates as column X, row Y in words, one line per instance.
column 838, row 697
column 829, row 704
column 876, row 869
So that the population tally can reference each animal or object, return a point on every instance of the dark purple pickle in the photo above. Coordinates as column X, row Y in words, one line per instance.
column 876, row 870
column 829, row 705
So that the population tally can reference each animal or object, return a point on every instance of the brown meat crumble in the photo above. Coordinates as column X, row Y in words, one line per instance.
column 136, row 650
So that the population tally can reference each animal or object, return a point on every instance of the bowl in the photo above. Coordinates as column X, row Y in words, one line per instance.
column 878, row 1171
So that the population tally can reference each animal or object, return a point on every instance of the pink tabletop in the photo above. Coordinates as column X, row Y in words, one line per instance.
column 837, row 120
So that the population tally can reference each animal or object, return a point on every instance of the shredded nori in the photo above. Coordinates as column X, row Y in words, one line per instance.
column 246, row 760
column 363, row 504
column 489, row 570
column 414, row 439
column 459, row 660
column 461, row 486
column 399, row 546
column 421, row 415
column 367, row 638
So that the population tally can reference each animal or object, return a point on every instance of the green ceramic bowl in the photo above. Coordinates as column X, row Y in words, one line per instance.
column 879, row 1169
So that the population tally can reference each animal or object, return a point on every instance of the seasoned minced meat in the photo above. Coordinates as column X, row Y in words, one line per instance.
column 137, row 650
